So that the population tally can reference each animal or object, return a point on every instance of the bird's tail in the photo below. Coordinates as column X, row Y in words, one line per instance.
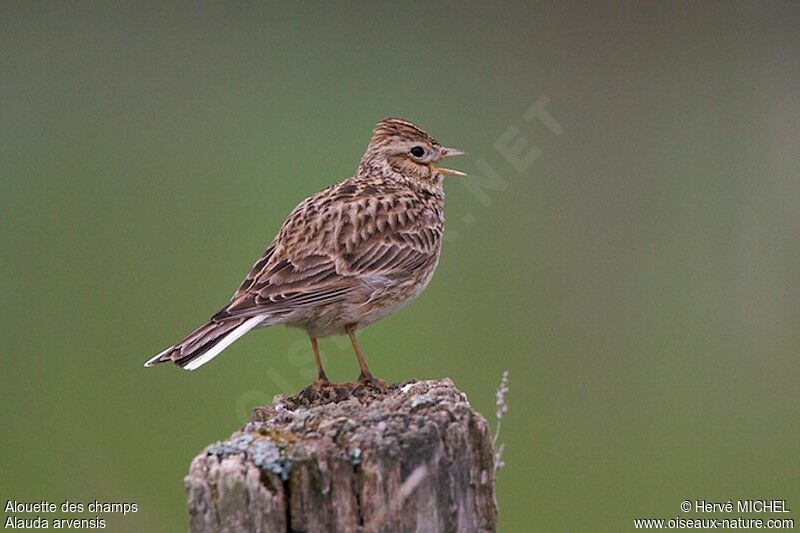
column 206, row 342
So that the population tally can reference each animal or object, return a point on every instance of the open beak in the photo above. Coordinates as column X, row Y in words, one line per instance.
column 449, row 152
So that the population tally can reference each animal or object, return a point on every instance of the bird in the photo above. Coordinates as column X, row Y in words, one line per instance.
column 345, row 257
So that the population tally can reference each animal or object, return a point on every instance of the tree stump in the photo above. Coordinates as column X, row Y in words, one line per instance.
column 411, row 457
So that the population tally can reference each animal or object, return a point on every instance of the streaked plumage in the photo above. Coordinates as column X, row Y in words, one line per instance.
column 346, row 256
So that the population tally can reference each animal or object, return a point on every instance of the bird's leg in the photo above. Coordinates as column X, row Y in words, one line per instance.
column 322, row 379
column 366, row 376
column 320, row 389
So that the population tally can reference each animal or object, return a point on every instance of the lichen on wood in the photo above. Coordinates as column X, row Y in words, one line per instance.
column 410, row 457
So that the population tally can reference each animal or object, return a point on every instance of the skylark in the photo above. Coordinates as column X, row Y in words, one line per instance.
column 345, row 257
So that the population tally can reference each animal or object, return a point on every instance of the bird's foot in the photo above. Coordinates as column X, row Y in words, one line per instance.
column 321, row 383
column 371, row 382
column 322, row 391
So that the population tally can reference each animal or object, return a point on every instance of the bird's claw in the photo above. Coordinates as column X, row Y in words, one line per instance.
column 369, row 381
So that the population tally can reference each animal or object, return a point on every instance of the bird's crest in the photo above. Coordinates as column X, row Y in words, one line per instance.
column 397, row 127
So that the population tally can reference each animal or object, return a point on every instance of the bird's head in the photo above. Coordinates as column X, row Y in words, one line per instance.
column 406, row 149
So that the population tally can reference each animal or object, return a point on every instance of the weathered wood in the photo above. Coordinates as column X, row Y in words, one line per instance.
column 414, row 457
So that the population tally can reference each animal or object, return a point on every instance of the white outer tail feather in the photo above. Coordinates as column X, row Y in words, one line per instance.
column 153, row 360
column 214, row 351
column 229, row 339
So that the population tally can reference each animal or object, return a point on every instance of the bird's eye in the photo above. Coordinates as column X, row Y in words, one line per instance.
column 418, row 151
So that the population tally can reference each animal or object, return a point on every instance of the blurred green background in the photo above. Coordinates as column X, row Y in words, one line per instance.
column 639, row 278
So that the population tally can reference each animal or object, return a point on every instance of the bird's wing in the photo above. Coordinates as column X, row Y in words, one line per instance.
column 329, row 243
column 277, row 284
